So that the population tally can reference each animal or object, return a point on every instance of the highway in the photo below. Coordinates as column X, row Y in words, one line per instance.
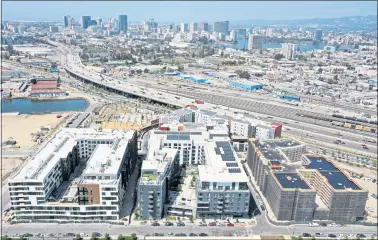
column 281, row 112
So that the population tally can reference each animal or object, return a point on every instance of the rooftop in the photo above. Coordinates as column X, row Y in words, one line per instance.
column 62, row 143
column 291, row 180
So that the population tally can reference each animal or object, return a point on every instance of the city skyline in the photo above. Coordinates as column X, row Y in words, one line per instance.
column 232, row 11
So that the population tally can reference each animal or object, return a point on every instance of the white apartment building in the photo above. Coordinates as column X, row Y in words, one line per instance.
column 78, row 175
column 289, row 50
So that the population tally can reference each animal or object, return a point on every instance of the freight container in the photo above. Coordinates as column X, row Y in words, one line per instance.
column 359, row 127
column 367, row 129
column 347, row 125
column 162, row 128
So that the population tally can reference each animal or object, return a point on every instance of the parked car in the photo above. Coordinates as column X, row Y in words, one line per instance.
column 155, row 224
column 221, row 225
column 203, row 224
column 97, row 234
column 192, row 235
column 70, row 234
column 306, row 235
column 323, row 224
column 212, row 224
column 180, row 224
column 320, row 235
column 28, row 235
column 203, row 234
column 180, row 235
column 331, row 235
column 360, row 235
column 171, row 234
column 230, row 225
column 83, row 235
column 168, row 224
column 313, row 224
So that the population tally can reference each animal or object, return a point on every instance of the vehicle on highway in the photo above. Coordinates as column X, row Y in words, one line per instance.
column 323, row 224
column 192, row 235
column 158, row 234
column 27, row 235
column 313, row 224
column 221, row 225
column 230, row 225
column 212, row 224
column 70, row 234
column 203, row 224
column 171, row 234
column 333, row 225
column 306, row 235
column 203, row 234
column 360, row 235
column 168, row 224
column 59, row 235
column 96, row 234
column 351, row 236
column 83, row 235
column 155, row 224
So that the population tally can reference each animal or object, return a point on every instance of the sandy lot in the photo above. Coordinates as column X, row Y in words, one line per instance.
column 20, row 127
column 8, row 166
column 371, row 202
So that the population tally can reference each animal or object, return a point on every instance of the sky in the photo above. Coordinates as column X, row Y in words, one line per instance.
column 185, row 11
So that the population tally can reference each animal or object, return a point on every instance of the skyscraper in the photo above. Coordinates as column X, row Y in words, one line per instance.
column 193, row 27
column 204, row 26
column 318, row 34
column 85, row 21
column 255, row 41
column 122, row 27
column 184, row 27
column 242, row 33
column 233, row 35
column 67, row 20
column 289, row 50
column 269, row 32
column 221, row 27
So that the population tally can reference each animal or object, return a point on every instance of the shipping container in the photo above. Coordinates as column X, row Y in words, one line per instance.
column 365, row 128
column 198, row 101
column 359, row 127
column 347, row 125
column 164, row 128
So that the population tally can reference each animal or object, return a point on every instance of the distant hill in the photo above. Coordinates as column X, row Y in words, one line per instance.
column 344, row 22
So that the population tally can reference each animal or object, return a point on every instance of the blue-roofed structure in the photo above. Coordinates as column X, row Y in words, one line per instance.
column 247, row 85
column 291, row 180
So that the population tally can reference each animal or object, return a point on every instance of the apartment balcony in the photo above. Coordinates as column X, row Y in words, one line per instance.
column 150, row 202
column 150, row 197
column 150, row 192
column 219, row 207
column 150, row 210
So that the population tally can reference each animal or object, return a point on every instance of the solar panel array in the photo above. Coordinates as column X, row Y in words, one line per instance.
column 231, row 164
column 228, row 154
column 178, row 137
column 234, row 170
column 178, row 133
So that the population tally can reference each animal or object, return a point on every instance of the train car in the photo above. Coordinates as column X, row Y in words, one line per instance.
column 359, row 127
column 337, row 123
column 365, row 128
column 373, row 130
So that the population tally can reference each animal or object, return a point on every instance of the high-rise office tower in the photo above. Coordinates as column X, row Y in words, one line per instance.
column 122, row 27
column 318, row 34
column 204, row 26
column 233, row 35
column 289, row 50
column 242, row 33
column 193, row 27
column 85, row 21
column 269, row 32
column 184, row 27
column 67, row 21
column 221, row 27
column 255, row 41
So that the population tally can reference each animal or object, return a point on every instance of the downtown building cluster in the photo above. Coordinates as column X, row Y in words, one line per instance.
column 78, row 175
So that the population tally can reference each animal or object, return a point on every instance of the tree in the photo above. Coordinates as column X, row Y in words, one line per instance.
column 180, row 68
column 77, row 237
column 93, row 237
column 132, row 71
column 140, row 59
column 146, row 70
column 279, row 56
column 106, row 237
column 222, row 54
column 139, row 71
column 120, row 237
column 134, row 236
column 10, row 95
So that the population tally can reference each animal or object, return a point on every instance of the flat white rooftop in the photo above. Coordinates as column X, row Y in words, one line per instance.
column 62, row 143
column 220, row 159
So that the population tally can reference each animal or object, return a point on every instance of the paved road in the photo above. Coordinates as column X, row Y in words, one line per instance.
column 147, row 229
column 15, row 153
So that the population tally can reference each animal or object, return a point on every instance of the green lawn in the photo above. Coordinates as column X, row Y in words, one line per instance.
column 151, row 177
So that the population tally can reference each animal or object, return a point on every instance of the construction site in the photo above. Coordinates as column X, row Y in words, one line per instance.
column 123, row 116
